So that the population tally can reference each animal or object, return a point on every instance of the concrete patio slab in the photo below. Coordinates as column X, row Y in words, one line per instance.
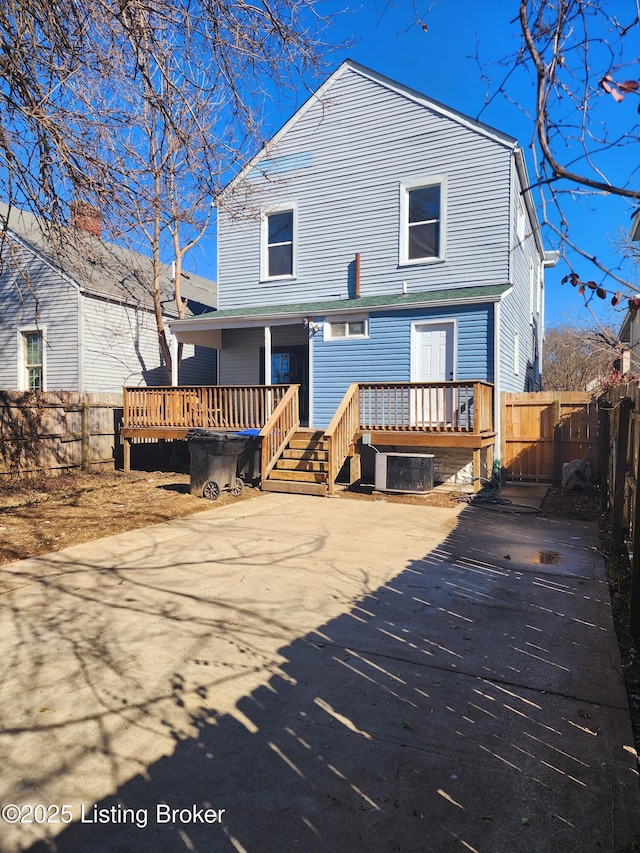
column 333, row 674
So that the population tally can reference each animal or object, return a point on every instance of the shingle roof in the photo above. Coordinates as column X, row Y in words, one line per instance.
column 102, row 268
column 457, row 295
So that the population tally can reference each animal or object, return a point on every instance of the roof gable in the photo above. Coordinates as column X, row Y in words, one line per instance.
column 100, row 268
column 349, row 66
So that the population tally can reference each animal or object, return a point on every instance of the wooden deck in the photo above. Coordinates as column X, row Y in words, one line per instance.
column 442, row 414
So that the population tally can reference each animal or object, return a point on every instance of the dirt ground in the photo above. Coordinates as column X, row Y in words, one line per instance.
column 40, row 515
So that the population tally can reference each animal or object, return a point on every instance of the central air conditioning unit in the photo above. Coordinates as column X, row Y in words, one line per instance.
column 404, row 472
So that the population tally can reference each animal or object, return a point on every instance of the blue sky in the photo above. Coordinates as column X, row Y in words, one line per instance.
column 442, row 63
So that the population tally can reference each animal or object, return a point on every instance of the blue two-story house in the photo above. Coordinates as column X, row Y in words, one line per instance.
column 382, row 254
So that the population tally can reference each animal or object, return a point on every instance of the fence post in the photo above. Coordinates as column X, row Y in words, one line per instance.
column 557, row 444
column 86, row 438
column 604, row 431
column 620, row 462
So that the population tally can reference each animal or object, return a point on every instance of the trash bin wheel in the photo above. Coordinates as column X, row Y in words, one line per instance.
column 237, row 487
column 211, row 490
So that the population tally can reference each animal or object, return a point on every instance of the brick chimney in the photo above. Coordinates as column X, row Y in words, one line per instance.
column 85, row 217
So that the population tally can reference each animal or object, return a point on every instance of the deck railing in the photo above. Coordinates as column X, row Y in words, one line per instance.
column 341, row 432
column 433, row 407
column 206, row 406
column 279, row 429
column 449, row 407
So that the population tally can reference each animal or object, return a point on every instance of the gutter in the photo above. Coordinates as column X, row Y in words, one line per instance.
column 198, row 324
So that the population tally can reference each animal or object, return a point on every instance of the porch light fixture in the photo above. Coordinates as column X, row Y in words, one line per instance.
column 309, row 324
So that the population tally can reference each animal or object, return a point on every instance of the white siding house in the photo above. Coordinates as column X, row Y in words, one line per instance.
column 79, row 317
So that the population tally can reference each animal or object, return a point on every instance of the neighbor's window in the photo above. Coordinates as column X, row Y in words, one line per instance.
column 279, row 246
column 335, row 330
column 33, row 361
column 422, row 214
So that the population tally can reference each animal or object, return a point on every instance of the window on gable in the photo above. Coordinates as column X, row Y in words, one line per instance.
column 422, row 205
column 33, row 361
column 279, row 245
column 339, row 329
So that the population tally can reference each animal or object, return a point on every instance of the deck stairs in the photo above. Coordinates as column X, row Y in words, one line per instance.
column 303, row 466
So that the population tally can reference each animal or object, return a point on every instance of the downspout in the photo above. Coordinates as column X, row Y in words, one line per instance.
column 81, row 387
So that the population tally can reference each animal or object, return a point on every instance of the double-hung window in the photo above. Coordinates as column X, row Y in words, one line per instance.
column 422, row 214
column 32, row 361
column 278, row 243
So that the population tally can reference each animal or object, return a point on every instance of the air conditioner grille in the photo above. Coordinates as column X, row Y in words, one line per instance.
column 404, row 472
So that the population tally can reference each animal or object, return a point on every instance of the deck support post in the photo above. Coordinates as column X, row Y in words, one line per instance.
column 127, row 454
column 355, row 468
column 477, row 466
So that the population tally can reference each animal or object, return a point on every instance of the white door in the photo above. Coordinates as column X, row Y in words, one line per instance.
column 432, row 362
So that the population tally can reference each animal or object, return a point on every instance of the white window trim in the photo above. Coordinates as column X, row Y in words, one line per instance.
column 22, row 367
column 353, row 318
column 412, row 184
column 281, row 207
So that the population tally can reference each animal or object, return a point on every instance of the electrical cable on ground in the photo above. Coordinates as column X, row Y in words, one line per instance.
column 489, row 496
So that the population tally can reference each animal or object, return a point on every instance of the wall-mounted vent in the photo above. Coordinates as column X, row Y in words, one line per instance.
column 404, row 472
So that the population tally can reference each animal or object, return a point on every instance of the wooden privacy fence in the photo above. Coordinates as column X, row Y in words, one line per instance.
column 543, row 430
column 619, row 478
column 56, row 430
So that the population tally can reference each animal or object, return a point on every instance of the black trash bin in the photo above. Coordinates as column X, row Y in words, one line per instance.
column 214, row 462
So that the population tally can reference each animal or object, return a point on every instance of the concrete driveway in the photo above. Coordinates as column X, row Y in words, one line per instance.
column 296, row 673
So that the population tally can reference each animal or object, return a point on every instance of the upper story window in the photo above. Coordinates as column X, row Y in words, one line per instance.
column 422, row 215
column 278, row 243
column 32, row 361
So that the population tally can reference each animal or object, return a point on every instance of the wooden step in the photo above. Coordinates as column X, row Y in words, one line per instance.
column 298, row 476
column 301, row 465
column 308, row 435
column 303, row 444
column 294, row 487
column 317, row 455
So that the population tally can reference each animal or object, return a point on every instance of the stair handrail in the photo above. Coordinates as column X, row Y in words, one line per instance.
column 278, row 430
column 341, row 432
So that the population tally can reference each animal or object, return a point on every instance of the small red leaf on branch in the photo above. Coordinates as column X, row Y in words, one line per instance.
column 601, row 292
column 629, row 86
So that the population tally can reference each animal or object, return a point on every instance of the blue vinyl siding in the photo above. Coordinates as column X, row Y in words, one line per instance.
column 385, row 356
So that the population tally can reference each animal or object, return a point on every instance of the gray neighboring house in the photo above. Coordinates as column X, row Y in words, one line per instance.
column 78, row 315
